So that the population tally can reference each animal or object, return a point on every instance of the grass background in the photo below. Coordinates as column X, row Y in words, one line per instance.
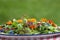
column 49, row 9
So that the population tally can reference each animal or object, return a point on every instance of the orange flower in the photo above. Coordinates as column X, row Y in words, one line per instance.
column 33, row 20
column 28, row 20
column 32, row 26
column 44, row 20
column 50, row 21
column 9, row 22
column 54, row 25
column 1, row 28
column 20, row 21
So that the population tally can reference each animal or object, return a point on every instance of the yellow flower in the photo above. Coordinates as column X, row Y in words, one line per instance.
column 28, row 20
column 44, row 20
column 20, row 21
column 33, row 20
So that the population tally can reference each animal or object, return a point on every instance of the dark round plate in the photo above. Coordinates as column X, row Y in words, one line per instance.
column 29, row 34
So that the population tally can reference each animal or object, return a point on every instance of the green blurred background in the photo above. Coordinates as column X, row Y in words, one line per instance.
column 49, row 9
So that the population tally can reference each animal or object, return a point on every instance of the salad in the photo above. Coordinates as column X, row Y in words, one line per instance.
column 29, row 26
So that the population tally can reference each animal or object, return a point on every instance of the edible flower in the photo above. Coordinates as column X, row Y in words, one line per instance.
column 54, row 25
column 33, row 20
column 9, row 23
column 32, row 27
column 1, row 28
column 28, row 20
column 43, row 20
column 19, row 21
column 50, row 21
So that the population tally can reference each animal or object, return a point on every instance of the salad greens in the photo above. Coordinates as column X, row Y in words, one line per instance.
column 29, row 26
